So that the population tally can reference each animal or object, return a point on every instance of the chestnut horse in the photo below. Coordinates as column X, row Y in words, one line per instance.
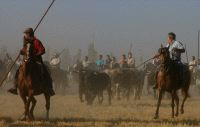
column 168, row 79
column 32, row 82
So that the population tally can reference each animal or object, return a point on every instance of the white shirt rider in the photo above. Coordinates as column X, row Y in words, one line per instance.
column 173, row 54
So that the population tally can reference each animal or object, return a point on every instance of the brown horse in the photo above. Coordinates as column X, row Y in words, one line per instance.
column 168, row 79
column 31, row 81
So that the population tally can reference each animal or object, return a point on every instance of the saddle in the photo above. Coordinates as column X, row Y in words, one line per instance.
column 37, row 70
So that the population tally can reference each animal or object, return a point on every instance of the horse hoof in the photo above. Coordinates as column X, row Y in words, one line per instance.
column 176, row 115
column 156, row 117
column 23, row 118
column 182, row 111
column 30, row 120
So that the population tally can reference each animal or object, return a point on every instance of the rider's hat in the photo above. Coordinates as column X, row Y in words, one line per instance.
column 29, row 31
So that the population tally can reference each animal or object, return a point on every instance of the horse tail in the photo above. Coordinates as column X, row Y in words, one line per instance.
column 187, row 84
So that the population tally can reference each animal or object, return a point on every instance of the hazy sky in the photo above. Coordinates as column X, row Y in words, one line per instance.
column 114, row 23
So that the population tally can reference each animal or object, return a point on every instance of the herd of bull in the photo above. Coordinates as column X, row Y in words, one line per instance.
column 117, row 82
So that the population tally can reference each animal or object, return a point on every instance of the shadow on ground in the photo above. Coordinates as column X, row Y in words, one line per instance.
column 112, row 122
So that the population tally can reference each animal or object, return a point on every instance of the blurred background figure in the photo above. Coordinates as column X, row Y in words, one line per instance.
column 100, row 63
column 130, row 60
column 123, row 62
column 193, row 70
column 86, row 63
column 55, row 61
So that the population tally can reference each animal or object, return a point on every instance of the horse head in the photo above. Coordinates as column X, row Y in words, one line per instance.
column 164, row 54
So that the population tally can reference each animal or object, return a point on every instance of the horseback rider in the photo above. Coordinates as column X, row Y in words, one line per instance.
column 175, row 48
column 193, row 69
column 55, row 61
column 86, row 63
column 36, row 55
column 123, row 62
column 100, row 63
column 130, row 60
column 114, row 64
column 193, row 65
column 108, row 60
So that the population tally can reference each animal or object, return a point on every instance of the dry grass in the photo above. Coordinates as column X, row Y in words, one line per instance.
column 67, row 111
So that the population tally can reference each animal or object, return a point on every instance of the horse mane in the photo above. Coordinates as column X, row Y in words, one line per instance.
column 169, row 65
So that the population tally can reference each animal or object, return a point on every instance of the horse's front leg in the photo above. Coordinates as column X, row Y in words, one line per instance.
column 81, row 94
column 128, row 94
column 158, row 104
column 172, row 103
column 109, row 95
column 100, row 97
column 118, row 91
column 23, row 117
column 33, row 100
column 177, row 104
column 28, row 113
column 47, row 98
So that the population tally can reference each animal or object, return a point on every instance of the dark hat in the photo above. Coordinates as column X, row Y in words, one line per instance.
column 29, row 31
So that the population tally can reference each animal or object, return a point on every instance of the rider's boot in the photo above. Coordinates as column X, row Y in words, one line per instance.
column 14, row 89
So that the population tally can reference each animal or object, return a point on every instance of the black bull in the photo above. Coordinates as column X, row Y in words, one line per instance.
column 92, row 84
column 127, row 81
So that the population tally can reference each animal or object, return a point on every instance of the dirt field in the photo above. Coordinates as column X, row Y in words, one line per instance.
column 67, row 111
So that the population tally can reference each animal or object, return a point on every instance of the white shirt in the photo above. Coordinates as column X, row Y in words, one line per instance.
column 131, row 62
column 85, row 63
column 175, row 55
column 55, row 61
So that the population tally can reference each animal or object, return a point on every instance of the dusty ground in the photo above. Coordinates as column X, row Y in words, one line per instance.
column 68, row 111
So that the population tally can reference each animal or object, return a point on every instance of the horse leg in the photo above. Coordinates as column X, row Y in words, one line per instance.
column 185, row 91
column 135, row 93
column 30, row 98
column 109, row 95
column 128, row 94
column 158, row 104
column 25, row 108
column 139, row 92
column 32, row 107
column 177, row 103
column 148, row 89
column 99, row 100
column 184, row 99
column 172, row 104
column 47, row 98
column 100, row 97
column 81, row 94
column 118, row 91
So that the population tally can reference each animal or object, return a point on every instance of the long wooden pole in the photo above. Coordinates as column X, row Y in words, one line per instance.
column 198, row 46
column 5, row 77
column 144, row 62
column 44, row 15
column 186, row 54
